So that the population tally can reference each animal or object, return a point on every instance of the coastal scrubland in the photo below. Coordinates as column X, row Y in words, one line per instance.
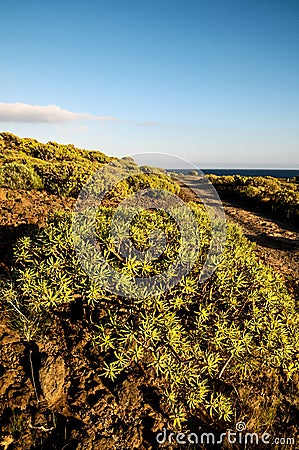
column 84, row 368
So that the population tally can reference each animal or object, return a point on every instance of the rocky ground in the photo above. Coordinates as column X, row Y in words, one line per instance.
column 51, row 394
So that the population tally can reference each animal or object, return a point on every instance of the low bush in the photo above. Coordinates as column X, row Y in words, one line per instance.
column 209, row 347
column 63, row 170
column 16, row 175
column 267, row 193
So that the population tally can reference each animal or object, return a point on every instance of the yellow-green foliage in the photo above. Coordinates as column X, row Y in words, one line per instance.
column 48, row 152
column 208, row 346
column 281, row 198
column 59, row 169
column 64, row 169
column 204, row 344
column 17, row 175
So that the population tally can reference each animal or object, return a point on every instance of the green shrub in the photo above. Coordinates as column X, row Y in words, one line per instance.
column 207, row 346
column 50, row 151
column 149, row 169
column 17, row 175
column 270, row 184
column 64, row 178
column 64, row 169
column 268, row 193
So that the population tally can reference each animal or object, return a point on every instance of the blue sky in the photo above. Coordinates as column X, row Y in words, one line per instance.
column 215, row 82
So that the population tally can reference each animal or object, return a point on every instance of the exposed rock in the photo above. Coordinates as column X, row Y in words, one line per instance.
column 2, row 194
column 52, row 378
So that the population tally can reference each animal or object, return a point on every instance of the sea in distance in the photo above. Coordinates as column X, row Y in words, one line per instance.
column 277, row 173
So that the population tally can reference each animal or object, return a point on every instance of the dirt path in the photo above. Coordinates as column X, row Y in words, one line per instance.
column 277, row 242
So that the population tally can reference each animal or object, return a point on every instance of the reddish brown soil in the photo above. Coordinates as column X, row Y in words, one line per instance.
column 21, row 212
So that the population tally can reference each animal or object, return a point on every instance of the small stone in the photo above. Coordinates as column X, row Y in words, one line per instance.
column 26, row 203
column 34, row 220
column 3, row 196
column 52, row 380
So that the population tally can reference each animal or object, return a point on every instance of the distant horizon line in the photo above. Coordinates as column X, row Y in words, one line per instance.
column 231, row 168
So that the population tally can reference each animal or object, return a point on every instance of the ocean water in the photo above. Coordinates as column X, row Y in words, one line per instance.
column 277, row 173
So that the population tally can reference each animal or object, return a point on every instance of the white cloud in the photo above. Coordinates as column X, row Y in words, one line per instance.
column 26, row 113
